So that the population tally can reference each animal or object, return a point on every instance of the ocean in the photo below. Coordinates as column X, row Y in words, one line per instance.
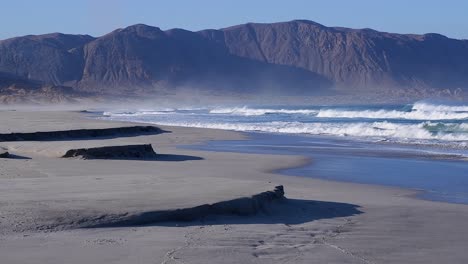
column 421, row 146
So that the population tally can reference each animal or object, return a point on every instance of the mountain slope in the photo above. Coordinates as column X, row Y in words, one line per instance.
column 363, row 58
column 293, row 58
column 143, row 58
column 52, row 58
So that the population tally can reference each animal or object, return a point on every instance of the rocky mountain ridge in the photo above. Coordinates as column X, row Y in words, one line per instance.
column 292, row 58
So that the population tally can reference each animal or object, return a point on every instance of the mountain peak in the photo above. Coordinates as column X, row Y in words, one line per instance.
column 292, row 22
column 308, row 22
column 141, row 28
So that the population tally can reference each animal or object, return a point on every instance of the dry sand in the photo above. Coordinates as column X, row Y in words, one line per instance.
column 45, row 200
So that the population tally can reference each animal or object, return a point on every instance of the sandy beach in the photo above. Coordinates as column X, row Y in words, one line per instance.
column 64, row 210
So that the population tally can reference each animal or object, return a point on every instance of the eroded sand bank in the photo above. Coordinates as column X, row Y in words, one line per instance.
column 321, row 222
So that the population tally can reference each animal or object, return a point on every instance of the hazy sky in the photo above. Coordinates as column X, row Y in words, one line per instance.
column 97, row 17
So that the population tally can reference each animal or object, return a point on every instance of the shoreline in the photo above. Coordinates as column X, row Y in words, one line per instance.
column 418, row 192
column 319, row 223
column 303, row 161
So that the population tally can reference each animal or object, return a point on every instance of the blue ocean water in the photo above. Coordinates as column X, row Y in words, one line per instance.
column 439, row 176
column 421, row 145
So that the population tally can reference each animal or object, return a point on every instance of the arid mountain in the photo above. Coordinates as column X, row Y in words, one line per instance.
column 293, row 58
column 351, row 58
column 52, row 58
column 141, row 58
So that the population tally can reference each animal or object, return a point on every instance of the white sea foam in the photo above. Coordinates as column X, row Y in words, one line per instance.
column 444, row 124
column 140, row 113
column 245, row 111
column 422, row 106
column 414, row 114
column 382, row 130
column 419, row 111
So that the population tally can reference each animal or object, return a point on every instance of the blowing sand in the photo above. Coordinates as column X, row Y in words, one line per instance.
column 48, row 205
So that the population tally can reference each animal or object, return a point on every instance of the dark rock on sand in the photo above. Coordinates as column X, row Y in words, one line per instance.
column 82, row 133
column 114, row 152
column 237, row 207
column 4, row 153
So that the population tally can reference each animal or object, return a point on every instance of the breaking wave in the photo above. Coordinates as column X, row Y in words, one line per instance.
column 140, row 113
column 418, row 111
column 421, row 106
column 394, row 114
column 421, row 121
column 425, row 130
column 245, row 111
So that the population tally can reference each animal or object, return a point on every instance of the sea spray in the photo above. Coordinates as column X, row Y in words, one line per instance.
column 418, row 123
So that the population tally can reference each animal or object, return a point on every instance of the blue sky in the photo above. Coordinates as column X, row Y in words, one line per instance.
column 97, row 17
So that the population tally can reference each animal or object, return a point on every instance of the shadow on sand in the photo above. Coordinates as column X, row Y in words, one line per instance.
column 173, row 157
column 159, row 157
column 13, row 156
column 285, row 211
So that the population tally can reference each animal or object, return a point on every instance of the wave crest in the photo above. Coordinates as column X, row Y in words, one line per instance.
column 393, row 114
column 419, row 111
column 422, row 106
column 382, row 130
column 245, row 111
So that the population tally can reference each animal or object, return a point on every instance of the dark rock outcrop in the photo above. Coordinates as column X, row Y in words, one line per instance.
column 82, row 133
column 271, row 207
column 4, row 153
column 239, row 207
column 114, row 152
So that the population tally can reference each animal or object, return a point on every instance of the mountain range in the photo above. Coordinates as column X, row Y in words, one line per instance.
column 289, row 58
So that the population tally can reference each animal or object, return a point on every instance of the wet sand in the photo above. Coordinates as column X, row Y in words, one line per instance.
column 48, row 204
